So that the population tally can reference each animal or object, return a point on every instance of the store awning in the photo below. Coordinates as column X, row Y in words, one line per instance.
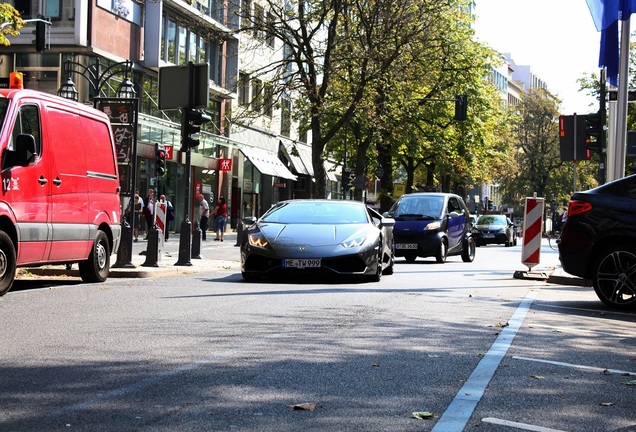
column 267, row 163
column 257, row 139
column 332, row 171
column 299, row 157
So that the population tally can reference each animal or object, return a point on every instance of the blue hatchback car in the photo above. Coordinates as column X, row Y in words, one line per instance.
column 432, row 225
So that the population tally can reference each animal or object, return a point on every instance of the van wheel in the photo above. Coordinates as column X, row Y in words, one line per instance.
column 97, row 266
column 7, row 263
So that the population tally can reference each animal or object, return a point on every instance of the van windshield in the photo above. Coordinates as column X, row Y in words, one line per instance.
column 4, row 105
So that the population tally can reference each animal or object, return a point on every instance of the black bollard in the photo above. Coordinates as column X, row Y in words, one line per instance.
column 239, row 233
column 124, row 253
column 153, row 249
column 196, row 241
column 184, row 244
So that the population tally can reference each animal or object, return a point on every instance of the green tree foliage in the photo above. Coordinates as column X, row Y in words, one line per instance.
column 405, row 121
column 361, row 67
column 12, row 21
column 537, row 166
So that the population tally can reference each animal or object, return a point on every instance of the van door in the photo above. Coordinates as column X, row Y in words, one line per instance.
column 27, row 190
column 72, row 240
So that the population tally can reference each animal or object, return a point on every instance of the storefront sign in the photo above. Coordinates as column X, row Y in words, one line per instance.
column 225, row 164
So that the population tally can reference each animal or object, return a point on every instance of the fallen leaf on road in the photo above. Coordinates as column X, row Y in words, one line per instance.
column 632, row 382
column 422, row 415
column 502, row 324
column 375, row 364
column 537, row 377
column 305, row 406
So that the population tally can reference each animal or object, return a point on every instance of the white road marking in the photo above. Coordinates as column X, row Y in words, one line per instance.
column 461, row 408
column 572, row 365
column 522, row 426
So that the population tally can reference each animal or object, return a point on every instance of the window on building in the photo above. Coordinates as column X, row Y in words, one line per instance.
column 268, row 100
column 24, row 7
column 53, row 9
column 285, row 118
column 246, row 13
column 172, row 42
column 192, row 47
column 270, row 38
column 257, row 95
column 201, row 51
column 183, row 39
column 259, row 21
column 243, row 89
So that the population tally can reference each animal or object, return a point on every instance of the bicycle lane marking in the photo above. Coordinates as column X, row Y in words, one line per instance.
column 461, row 408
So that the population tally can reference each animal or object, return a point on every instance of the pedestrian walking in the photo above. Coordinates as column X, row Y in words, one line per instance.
column 169, row 215
column 138, row 210
column 204, row 214
column 221, row 218
column 149, row 211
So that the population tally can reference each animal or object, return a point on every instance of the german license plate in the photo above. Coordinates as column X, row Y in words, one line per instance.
column 488, row 235
column 406, row 246
column 302, row 263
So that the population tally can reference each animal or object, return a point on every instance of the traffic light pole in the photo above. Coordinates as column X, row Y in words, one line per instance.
column 185, row 241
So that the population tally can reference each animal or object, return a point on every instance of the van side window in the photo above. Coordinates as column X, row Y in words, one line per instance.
column 28, row 122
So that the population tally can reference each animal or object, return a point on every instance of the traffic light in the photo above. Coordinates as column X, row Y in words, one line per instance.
column 40, row 36
column 461, row 107
column 192, row 126
column 593, row 124
column 347, row 179
column 160, row 159
column 593, row 131
column 573, row 139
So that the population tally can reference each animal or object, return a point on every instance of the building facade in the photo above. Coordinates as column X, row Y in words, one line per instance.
column 100, row 43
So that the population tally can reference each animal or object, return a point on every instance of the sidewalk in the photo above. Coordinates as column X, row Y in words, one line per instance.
column 168, row 257
column 224, row 255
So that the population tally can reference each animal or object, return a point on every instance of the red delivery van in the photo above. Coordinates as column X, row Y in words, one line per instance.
column 60, row 199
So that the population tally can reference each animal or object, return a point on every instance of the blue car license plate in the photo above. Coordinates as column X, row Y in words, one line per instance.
column 302, row 263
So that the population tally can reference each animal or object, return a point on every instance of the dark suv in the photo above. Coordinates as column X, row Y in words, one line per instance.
column 598, row 241
column 432, row 224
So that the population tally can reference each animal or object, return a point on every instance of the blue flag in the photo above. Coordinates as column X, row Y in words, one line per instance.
column 606, row 14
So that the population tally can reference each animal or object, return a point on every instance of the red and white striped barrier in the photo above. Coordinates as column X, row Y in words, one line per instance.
column 161, row 210
column 532, row 224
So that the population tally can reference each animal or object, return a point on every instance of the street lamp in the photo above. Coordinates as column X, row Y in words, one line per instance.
column 68, row 90
column 96, row 78
column 126, row 90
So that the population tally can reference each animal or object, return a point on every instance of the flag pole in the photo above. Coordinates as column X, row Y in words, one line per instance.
column 622, row 97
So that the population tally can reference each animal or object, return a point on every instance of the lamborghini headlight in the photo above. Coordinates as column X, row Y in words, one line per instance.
column 257, row 240
column 355, row 242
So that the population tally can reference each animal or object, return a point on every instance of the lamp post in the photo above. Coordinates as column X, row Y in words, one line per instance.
column 123, row 114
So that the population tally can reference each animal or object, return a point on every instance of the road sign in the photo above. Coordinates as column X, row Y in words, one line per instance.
column 174, row 86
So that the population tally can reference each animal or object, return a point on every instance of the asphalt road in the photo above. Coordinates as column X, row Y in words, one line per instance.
column 464, row 342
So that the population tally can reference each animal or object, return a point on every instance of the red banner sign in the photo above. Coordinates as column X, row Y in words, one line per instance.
column 225, row 164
